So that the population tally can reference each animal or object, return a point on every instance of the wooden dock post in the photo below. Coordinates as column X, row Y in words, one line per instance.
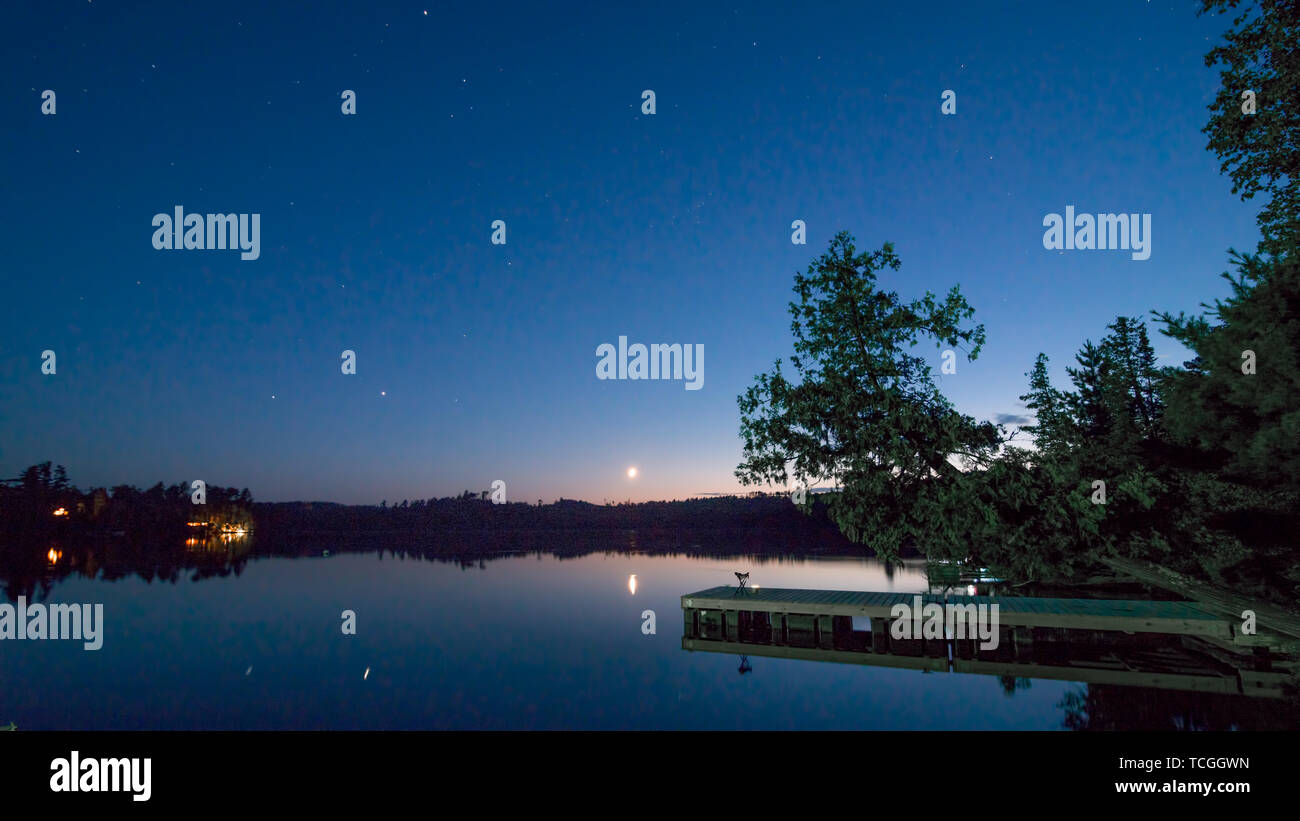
column 880, row 634
column 1024, row 643
column 825, row 632
column 778, row 629
column 800, row 629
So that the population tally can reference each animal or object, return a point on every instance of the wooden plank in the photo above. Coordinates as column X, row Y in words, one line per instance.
column 1217, row 599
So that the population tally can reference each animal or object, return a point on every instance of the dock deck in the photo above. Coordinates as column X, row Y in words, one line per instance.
column 1128, row 616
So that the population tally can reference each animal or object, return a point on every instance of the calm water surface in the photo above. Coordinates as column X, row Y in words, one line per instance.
column 524, row 642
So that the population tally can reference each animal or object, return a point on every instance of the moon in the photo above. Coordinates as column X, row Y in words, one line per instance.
column 631, row 473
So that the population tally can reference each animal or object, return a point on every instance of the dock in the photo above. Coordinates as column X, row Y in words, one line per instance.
column 1125, row 616
column 1155, row 644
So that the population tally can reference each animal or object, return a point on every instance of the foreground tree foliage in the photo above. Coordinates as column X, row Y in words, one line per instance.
column 1196, row 468
column 1234, row 421
column 1088, row 486
column 863, row 411
column 1260, row 151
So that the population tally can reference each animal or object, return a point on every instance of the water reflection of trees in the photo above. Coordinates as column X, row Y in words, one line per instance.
column 51, row 530
column 157, row 534
column 31, row 563
column 32, row 566
column 1108, row 707
column 1013, row 684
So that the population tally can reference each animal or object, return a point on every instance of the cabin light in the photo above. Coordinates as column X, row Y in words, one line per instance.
column 54, row 555
column 63, row 511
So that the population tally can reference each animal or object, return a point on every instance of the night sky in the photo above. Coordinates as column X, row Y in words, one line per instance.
column 477, row 361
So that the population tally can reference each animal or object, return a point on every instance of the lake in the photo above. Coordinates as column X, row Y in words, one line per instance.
column 522, row 642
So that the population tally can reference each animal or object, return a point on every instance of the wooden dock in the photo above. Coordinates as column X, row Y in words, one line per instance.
column 1155, row 644
column 1169, row 617
column 1276, row 627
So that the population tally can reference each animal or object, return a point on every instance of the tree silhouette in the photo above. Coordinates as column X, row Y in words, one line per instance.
column 1260, row 151
column 863, row 411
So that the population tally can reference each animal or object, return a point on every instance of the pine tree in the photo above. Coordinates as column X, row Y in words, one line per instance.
column 1234, row 421
column 1053, row 430
column 1088, row 403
